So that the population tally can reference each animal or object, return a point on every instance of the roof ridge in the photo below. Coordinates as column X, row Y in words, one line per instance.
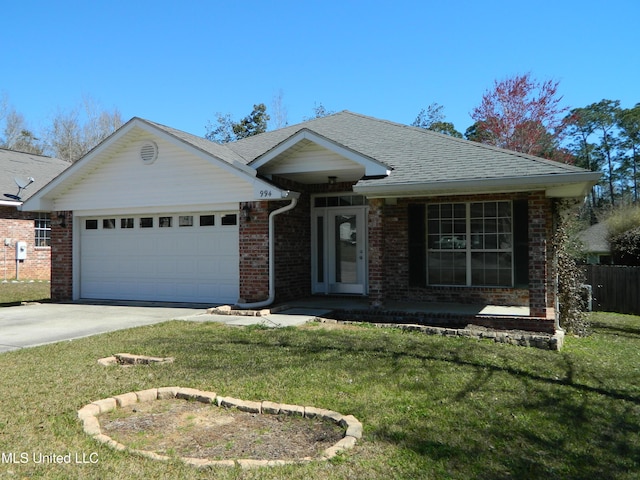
column 466, row 141
column 11, row 150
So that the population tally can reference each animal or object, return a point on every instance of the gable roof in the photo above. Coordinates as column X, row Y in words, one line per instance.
column 215, row 154
column 22, row 165
column 426, row 162
column 400, row 160
column 595, row 238
column 220, row 151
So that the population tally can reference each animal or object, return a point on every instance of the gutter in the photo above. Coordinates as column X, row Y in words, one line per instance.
column 272, row 263
column 478, row 185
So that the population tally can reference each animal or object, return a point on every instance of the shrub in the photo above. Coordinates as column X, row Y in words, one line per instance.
column 623, row 219
column 624, row 235
column 625, row 247
column 571, row 277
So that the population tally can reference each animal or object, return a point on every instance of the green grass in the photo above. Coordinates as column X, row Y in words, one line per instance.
column 432, row 407
column 13, row 293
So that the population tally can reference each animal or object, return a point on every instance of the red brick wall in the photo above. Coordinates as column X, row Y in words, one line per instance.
column 541, row 275
column 293, row 251
column 62, row 258
column 292, row 244
column 20, row 226
column 395, row 264
column 293, row 239
column 377, row 254
column 254, row 252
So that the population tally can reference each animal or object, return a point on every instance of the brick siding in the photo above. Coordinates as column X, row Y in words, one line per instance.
column 389, row 275
column 62, row 258
column 388, row 263
column 254, row 252
column 292, row 244
column 20, row 226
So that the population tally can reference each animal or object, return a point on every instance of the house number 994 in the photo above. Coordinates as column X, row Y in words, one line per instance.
column 265, row 193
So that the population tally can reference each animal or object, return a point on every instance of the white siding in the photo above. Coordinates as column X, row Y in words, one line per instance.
column 178, row 176
column 309, row 158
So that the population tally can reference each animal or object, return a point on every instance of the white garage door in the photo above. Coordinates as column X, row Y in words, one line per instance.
column 168, row 257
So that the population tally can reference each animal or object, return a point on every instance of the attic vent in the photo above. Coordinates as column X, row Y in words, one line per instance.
column 149, row 152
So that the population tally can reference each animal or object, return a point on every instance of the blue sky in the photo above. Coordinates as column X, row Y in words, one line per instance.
column 178, row 63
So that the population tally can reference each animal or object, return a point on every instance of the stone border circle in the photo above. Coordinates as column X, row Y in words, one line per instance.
column 88, row 415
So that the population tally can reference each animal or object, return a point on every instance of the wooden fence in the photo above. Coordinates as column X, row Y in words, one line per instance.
column 615, row 288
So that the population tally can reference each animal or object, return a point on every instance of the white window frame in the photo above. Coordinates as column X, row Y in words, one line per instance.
column 465, row 241
column 42, row 230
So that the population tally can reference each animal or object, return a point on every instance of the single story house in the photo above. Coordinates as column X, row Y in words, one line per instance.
column 595, row 240
column 340, row 205
column 25, row 237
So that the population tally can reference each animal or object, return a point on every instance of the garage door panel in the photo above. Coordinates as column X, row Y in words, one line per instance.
column 226, row 266
column 182, row 264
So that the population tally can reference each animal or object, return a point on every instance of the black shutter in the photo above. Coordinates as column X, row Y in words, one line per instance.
column 417, row 245
column 521, row 243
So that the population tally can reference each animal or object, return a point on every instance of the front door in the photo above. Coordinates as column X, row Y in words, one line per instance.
column 340, row 250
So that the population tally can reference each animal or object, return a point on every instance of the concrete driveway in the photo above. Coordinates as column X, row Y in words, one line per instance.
column 38, row 324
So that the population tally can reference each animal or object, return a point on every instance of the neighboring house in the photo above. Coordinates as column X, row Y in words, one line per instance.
column 25, row 234
column 340, row 205
column 596, row 244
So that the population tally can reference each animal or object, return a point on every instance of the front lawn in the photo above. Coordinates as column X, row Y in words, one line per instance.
column 14, row 292
column 432, row 407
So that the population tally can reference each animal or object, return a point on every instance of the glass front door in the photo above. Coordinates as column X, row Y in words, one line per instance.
column 340, row 251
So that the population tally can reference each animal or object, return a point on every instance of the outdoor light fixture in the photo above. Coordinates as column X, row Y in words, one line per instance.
column 246, row 212
column 332, row 180
column 62, row 220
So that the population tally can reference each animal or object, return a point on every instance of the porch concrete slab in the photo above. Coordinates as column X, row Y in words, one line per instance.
column 362, row 303
column 458, row 308
column 290, row 317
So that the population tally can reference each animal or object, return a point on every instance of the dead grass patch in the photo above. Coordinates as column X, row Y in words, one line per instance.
column 197, row 430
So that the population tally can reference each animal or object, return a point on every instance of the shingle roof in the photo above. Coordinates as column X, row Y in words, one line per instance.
column 595, row 238
column 24, row 165
column 223, row 152
column 416, row 155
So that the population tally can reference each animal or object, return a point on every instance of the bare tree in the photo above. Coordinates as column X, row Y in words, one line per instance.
column 16, row 135
column 75, row 132
column 278, row 111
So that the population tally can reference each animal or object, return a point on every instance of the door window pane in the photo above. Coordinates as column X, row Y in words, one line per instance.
column 207, row 220
column 230, row 219
column 320, row 248
column 146, row 222
column 345, row 233
column 185, row 220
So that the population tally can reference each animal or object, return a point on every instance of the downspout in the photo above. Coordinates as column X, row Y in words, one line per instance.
column 272, row 264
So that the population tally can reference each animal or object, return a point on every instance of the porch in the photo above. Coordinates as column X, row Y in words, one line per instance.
column 452, row 315
column 362, row 303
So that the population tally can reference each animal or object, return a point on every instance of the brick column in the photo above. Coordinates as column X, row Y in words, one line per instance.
column 376, row 252
column 61, row 257
column 540, row 254
column 254, row 252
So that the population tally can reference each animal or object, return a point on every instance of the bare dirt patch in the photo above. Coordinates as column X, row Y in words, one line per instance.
column 194, row 429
